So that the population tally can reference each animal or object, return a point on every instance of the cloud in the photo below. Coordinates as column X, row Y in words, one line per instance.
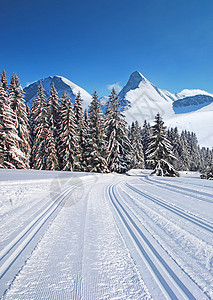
column 116, row 86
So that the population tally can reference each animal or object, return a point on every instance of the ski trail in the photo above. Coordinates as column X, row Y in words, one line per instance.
column 177, row 210
column 171, row 285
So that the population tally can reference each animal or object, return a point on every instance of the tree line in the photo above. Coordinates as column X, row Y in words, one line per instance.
column 58, row 135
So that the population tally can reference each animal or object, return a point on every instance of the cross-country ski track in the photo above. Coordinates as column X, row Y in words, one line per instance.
column 96, row 236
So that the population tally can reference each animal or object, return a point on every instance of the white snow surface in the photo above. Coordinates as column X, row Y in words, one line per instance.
column 146, row 100
column 200, row 122
column 76, row 89
column 71, row 235
column 191, row 92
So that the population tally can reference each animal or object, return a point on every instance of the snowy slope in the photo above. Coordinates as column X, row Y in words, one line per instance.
column 200, row 122
column 142, row 101
column 190, row 93
column 109, row 237
column 61, row 84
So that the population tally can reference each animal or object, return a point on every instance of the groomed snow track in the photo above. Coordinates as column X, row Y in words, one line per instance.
column 206, row 197
column 12, row 251
column 176, row 210
column 171, row 282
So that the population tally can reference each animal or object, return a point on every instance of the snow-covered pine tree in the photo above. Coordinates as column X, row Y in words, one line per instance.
column 159, row 150
column 54, row 108
column 52, row 157
column 31, row 129
column 68, row 145
column 136, row 142
column 206, row 157
column 185, row 159
column 194, row 152
column 11, row 156
column 17, row 103
column 80, row 128
column 43, row 150
column 78, row 110
column 206, row 166
column 119, row 158
column 146, row 134
column 4, row 80
column 85, row 145
column 96, row 150
column 174, row 138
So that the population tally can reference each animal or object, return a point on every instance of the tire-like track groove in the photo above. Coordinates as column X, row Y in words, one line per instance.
column 27, row 234
column 169, row 282
column 177, row 210
column 179, row 189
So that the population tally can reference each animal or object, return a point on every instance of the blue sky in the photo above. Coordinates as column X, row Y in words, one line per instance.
column 99, row 43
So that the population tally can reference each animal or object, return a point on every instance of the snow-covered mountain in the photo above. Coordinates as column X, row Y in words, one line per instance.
column 141, row 100
column 190, row 109
column 61, row 84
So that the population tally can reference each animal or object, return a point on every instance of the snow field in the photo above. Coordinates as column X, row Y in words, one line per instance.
column 82, row 255
column 112, row 237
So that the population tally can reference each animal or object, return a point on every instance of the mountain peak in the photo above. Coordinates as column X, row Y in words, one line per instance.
column 61, row 84
column 134, row 80
column 136, row 76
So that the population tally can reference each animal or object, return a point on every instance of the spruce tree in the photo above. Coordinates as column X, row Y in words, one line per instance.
column 119, row 157
column 85, row 145
column 54, row 107
column 17, row 103
column 96, row 150
column 136, row 142
column 11, row 156
column 194, row 152
column 159, row 150
column 184, row 152
column 68, row 146
column 43, row 150
column 174, row 138
column 4, row 80
column 80, row 128
column 146, row 134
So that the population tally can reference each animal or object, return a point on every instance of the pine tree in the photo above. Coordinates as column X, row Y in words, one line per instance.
column 194, row 152
column 146, row 134
column 11, row 156
column 136, row 142
column 85, row 145
column 96, row 150
column 54, row 107
column 43, row 151
column 52, row 157
column 31, row 130
column 184, row 153
column 119, row 156
column 80, row 128
column 4, row 80
column 174, row 138
column 159, row 150
column 68, row 147
column 17, row 103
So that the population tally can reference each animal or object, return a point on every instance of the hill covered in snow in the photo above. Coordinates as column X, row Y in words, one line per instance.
column 61, row 84
column 189, row 109
column 141, row 100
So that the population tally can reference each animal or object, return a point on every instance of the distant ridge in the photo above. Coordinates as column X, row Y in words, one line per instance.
column 61, row 84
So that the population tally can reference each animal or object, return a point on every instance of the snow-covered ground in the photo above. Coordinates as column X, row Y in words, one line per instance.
column 90, row 236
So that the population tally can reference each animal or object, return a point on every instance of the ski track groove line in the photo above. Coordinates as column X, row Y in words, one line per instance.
column 29, row 234
column 189, row 183
column 178, row 211
column 178, row 189
column 158, row 273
